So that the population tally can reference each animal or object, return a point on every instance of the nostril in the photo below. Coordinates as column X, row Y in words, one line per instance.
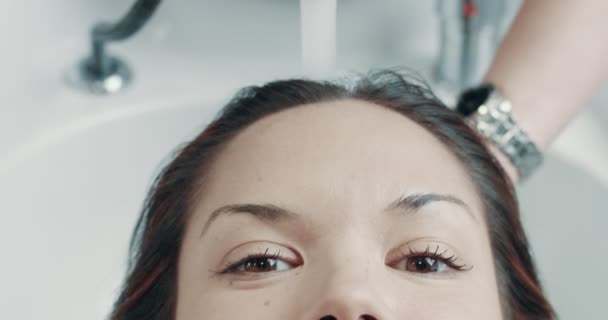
column 363, row 317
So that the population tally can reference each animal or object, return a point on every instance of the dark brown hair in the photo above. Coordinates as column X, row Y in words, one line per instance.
column 149, row 290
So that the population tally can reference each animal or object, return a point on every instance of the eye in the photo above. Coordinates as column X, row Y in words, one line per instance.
column 258, row 263
column 423, row 264
column 431, row 260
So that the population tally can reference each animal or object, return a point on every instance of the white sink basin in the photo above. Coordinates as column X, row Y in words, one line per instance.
column 68, row 211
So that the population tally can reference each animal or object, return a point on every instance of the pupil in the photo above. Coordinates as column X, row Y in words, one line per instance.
column 260, row 264
column 425, row 264
column 421, row 264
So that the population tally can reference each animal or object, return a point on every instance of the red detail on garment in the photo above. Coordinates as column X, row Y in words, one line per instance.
column 469, row 9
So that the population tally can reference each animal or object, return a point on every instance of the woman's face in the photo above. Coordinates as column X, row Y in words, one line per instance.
column 320, row 219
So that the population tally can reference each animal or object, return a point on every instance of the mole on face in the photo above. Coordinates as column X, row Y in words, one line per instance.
column 267, row 303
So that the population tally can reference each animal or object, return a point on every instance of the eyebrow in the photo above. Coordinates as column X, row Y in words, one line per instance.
column 409, row 204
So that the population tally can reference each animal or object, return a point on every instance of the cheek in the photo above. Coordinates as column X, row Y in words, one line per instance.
column 454, row 304
column 267, row 303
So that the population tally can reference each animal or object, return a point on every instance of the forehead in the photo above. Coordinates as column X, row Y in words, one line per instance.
column 342, row 154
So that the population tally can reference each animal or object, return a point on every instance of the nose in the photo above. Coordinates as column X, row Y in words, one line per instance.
column 347, row 307
column 350, row 291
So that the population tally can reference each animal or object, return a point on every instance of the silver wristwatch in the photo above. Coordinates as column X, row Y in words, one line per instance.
column 489, row 113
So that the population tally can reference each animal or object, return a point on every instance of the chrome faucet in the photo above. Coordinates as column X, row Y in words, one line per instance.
column 102, row 73
column 469, row 35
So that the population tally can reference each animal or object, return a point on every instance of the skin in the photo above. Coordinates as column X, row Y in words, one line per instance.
column 336, row 166
column 547, row 40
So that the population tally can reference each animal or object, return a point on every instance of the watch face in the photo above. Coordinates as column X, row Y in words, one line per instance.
column 471, row 99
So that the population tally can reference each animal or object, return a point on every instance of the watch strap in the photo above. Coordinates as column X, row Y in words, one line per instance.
column 493, row 120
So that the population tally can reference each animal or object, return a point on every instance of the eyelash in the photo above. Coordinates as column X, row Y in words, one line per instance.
column 230, row 266
column 449, row 260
